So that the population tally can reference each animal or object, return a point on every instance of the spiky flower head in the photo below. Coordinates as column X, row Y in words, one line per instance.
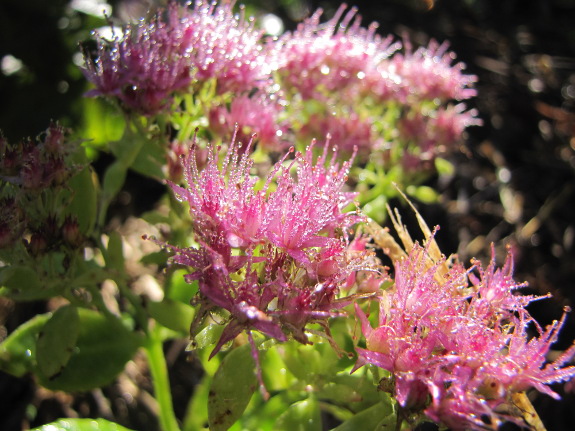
column 458, row 351
column 151, row 61
column 272, row 253
column 318, row 59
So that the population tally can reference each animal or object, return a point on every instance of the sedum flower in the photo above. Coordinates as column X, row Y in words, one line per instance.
column 149, row 63
column 424, row 74
column 274, row 254
column 256, row 114
column 143, row 67
column 317, row 60
column 457, row 346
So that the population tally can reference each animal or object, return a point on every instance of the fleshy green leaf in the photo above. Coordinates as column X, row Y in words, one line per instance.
column 115, row 252
column 81, row 425
column 84, row 204
column 179, row 289
column 444, row 167
column 208, row 336
column 104, row 346
column 20, row 278
column 424, row 194
column 370, row 419
column 172, row 314
column 57, row 340
column 232, row 388
column 301, row 416
column 17, row 352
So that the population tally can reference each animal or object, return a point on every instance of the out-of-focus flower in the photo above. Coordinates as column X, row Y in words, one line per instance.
column 35, row 166
column 319, row 60
column 426, row 74
column 350, row 132
column 457, row 350
column 248, row 115
column 151, row 61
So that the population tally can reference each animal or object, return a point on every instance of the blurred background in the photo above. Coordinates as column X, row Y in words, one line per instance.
column 515, row 176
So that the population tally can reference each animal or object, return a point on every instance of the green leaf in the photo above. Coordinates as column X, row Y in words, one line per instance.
column 172, row 314
column 179, row 289
column 150, row 160
column 444, row 167
column 114, row 179
column 232, row 388
column 208, row 336
column 84, row 204
column 425, row 194
column 104, row 346
column 275, row 373
column 370, row 419
column 17, row 351
column 57, row 340
column 20, row 278
column 81, row 425
column 301, row 416
column 115, row 258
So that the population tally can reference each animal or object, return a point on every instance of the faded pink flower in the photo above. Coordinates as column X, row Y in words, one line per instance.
column 426, row 74
column 348, row 132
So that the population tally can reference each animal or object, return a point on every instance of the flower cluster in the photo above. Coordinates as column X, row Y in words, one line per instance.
column 457, row 345
column 33, row 174
column 401, row 108
column 151, row 61
column 274, row 254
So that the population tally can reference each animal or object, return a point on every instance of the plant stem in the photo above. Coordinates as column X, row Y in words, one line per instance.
column 160, row 381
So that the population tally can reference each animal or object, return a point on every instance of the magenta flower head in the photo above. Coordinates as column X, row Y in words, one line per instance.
column 458, row 351
column 141, row 68
column 274, row 254
column 426, row 74
column 319, row 59
column 150, row 62
column 251, row 114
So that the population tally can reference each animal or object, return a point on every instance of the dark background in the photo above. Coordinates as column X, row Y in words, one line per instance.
column 515, row 177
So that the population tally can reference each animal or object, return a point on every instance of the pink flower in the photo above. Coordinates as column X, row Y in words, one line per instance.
column 152, row 61
column 257, row 114
column 458, row 350
column 224, row 45
column 426, row 74
column 142, row 68
column 319, row 59
column 348, row 132
column 274, row 258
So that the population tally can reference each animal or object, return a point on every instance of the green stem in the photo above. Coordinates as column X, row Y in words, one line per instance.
column 160, row 381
